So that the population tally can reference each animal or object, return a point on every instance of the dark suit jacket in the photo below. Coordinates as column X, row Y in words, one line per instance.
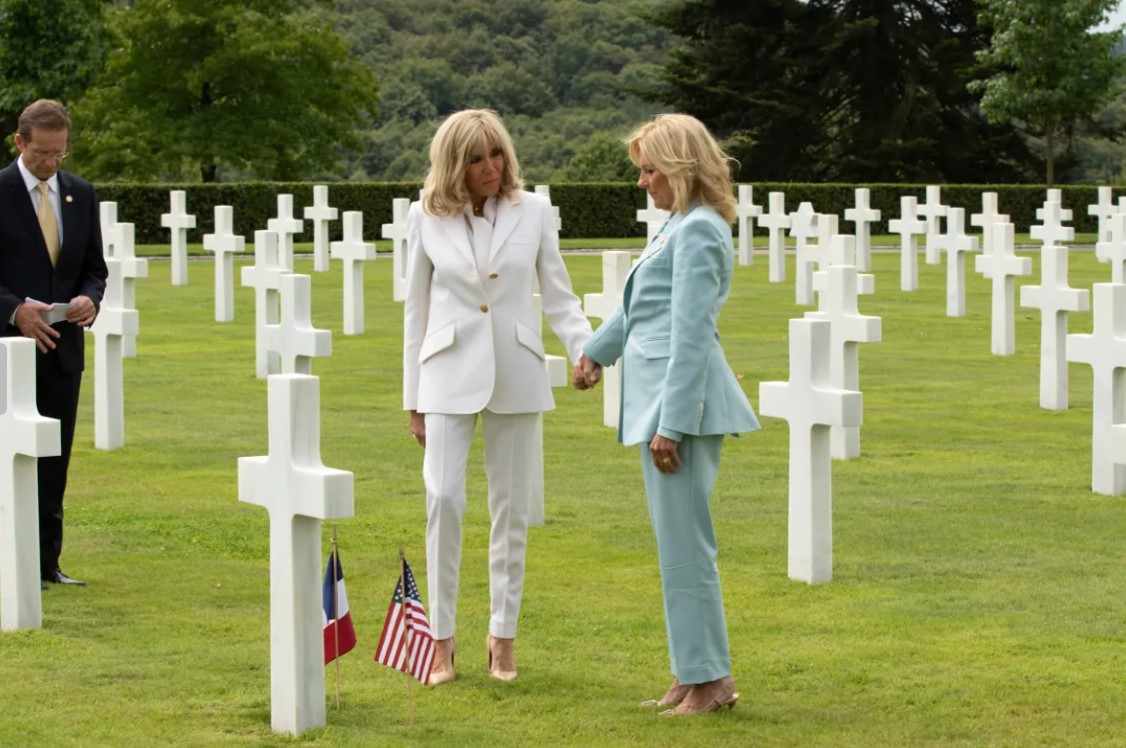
column 25, row 266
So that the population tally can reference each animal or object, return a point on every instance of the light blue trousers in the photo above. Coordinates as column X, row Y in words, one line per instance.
column 679, row 508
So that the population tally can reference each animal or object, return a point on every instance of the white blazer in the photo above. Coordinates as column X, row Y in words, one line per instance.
column 471, row 340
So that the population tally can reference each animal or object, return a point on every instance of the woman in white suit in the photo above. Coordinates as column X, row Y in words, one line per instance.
column 679, row 396
column 477, row 245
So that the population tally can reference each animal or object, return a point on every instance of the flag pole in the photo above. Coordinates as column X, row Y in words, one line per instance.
column 336, row 612
column 407, row 626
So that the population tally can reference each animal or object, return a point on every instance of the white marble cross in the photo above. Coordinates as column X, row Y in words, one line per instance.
column 1103, row 210
column 178, row 221
column 114, row 323
column 956, row 243
column 745, row 214
column 862, row 215
column 908, row 226
column 558, row 376
column 264, row 276
column 353, row 251
column 653, row 218
column 1055, row 195
column 776, row 221
column 396, row 231
column 933, row 211
column 1114, row 249
column 298, row 491
column 1105, row 351
column 25, row 436
column 545, row 190
column 1051, row 229
column 224, row 243
column 821, row 254
column 124, row 248
column 615, row 269
column 803, row 227
column 1054, row 298
column 294, row 338
column 285, row 225
column 107, row 218
column 840, row 254
column 320, row 214
column 849, row 327
column 1001, row 267
column 985, row 220
column 811, row 404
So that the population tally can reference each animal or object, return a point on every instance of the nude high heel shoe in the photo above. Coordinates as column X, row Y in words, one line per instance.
column 676, row 693
column 442, row 668
column 706, row 697
column 502, row 658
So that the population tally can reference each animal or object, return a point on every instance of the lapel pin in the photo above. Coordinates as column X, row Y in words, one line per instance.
column 70, row 198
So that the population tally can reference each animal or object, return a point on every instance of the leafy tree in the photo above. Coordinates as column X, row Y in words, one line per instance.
column 561, row 74
column 258, row 88
column 602, row 158
column 1051, row 73
column 47, row 50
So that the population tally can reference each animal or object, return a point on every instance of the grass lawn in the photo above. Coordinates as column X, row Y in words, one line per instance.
column 978, row 597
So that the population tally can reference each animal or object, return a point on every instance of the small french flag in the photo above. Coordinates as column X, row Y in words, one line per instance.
column 339, row 635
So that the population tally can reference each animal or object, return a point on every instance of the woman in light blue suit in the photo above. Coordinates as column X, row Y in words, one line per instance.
column 679, row 396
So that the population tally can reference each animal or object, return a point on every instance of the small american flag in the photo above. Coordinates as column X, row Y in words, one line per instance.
column 392, row 650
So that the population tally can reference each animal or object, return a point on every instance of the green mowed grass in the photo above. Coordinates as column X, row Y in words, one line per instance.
column 977, row 599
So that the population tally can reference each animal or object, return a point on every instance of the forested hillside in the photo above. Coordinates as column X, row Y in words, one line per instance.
column 560, row 72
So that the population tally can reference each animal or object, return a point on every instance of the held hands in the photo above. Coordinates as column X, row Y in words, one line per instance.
column 663, row 451
column 586, row 374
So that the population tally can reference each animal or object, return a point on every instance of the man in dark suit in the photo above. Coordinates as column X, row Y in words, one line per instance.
column 50, row 252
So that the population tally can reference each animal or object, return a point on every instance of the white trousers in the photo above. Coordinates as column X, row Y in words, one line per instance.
column 509, row 459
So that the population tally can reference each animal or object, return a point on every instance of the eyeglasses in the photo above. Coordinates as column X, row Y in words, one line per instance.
column 50, row 155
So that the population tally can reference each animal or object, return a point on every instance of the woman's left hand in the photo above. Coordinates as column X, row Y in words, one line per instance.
column 663, row 451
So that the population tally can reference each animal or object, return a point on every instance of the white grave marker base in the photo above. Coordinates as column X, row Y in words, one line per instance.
column 25, row 436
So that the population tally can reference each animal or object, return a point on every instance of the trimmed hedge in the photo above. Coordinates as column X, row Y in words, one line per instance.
column 598, row 209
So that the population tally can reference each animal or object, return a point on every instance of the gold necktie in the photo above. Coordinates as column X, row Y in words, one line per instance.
column 47, row 223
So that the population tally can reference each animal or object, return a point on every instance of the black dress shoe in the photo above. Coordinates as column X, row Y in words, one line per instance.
column 60, row 577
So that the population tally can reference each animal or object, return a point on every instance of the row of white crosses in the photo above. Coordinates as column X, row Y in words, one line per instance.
column 1105, row 351
column 116, row 327
column 777, row 221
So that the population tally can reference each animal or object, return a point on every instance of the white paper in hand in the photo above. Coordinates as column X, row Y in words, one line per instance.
column 57, row 312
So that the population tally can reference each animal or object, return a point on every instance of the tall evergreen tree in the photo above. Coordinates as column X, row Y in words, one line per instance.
column 840, row 90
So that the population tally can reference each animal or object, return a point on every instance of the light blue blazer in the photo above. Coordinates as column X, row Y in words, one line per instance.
column 675, row 379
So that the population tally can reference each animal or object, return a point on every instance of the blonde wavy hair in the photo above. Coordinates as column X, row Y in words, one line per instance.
column 457, row 141
column 681, row 148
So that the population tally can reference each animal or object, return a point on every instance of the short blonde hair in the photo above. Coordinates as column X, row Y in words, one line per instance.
column 458, row 139
column 681, row 148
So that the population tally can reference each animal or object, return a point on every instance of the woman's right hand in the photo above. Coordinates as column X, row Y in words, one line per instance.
column 418, row 427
